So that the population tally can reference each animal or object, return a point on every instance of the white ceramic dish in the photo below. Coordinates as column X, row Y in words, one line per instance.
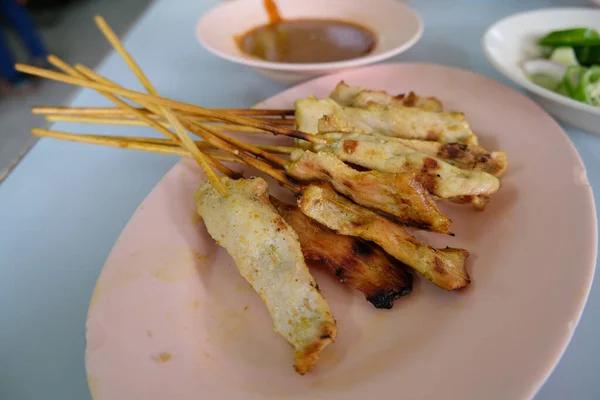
column 512, row 40
column 396, row 26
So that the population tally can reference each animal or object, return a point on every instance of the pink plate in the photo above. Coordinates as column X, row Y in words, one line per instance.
column 170, row 317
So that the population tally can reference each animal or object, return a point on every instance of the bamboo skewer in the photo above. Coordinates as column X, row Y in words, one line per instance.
column 153, row 108
column 137, row 122
column 160, row 106
column 97, row 139
column 280, row 162
column 58, row 63
column 257, row 151
column 181, row 135
column 200, row 144
column 194, row 151
column 113, row 39
column 276, row 174
column 235, row 156
column 131, row 143
column 112, row 112
column 278, row 130
column 145, row 144
column 276, row 160
column 200, row 157
column 101, row 121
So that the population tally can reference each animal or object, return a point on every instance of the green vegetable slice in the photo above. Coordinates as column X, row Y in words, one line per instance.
column 572, row 80
column 572, row 37
column 587, row 55
column 590, row 86
column 582, row 84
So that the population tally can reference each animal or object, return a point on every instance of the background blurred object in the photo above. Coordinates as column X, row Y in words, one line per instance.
column 16, row 16
column 513, row 40
column 67, row 28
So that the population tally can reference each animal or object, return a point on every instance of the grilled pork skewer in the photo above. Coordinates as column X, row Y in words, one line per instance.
column 266, row 249
column 439, row 177
column 464, row 156
column 354, row 96
column 443, row 267
column 469, row 157
column 405, row 197
column 401, row 195
column 155, row 100
column 325, row 115
column 268, row 255
column 361, row 265
column 163, row 103
column 357, row 263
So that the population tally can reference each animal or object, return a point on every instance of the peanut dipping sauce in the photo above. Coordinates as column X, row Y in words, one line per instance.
column 306, row 40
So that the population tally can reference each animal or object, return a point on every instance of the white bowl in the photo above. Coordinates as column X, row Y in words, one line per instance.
column 396, row 26
column 512, row 40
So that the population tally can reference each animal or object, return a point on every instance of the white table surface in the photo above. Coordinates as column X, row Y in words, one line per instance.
column 63, row 207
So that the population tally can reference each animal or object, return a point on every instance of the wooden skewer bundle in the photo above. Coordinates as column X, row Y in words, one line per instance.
column 171, row 118
column 154, row 100
column 175, row 119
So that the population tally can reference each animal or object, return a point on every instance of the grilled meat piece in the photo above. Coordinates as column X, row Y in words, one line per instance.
column 401, row 195
column 357, row 263
column 439, row 177
column 322, row 116
column 354, row 96
column 268, row 255
column 464, row 156
column 444, row 267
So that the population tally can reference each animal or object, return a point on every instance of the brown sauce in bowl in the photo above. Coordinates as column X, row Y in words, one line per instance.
column 307, row 41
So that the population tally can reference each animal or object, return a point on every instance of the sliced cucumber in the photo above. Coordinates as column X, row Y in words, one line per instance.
column 565, row 56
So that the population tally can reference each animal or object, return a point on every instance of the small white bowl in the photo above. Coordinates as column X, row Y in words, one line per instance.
column 512, row 40
column 397, row 28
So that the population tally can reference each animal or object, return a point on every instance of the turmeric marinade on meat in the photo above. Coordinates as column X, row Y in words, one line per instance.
column 357, row 263
column 400, row 195
column 444, row 267
column 325, row 115
column 462, row 155
column 354, row 96
column 268, row 255
column 441, row 179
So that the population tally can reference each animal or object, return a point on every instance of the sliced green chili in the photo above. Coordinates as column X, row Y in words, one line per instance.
column 572, row 37
column 587, row 55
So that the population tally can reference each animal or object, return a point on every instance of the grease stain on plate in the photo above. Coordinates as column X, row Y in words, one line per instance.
column 162, row 358
column 195, row 218
column 94, row 386
column 96, row 294
column 176, row 269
